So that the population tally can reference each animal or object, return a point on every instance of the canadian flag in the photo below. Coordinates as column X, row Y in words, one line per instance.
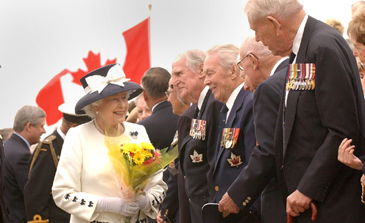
column 66, row 85
column 137, row 60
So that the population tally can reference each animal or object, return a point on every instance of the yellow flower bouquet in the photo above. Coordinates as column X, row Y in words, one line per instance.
column 135, row 162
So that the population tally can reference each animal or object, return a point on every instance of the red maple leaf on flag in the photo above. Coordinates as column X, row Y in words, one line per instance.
column 51, row 95
column 92, row 62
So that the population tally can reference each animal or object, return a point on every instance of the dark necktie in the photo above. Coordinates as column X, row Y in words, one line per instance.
column 292, row 57
column 222, row 123
column 196, row 112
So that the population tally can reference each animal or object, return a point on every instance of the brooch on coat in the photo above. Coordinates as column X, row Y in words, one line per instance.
column 134, row 134
column 196, row 157
column 235, row 161
column 301, row 77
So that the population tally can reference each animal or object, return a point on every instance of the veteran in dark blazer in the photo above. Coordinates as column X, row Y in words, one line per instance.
column 170, row 206
column 318, row 110
column 236, row 137
column 28, row 127
column 197, row 149
column 265, row 76
column 39, row 203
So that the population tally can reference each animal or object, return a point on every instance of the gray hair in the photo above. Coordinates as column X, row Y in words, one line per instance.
column 25, row 114
column 194, row 59
column 249, row 45
column 155, row 82
column 257, row 10
column 227, row 54
column 89, row 110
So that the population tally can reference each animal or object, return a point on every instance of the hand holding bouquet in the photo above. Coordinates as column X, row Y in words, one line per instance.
column 134, row 163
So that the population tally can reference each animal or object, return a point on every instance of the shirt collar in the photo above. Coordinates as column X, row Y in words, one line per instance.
column 298, row 37
column 26, row 141
column 276, row 65
column 156, row 105
column 232, row 98
column 202, row 96
column 61, row 133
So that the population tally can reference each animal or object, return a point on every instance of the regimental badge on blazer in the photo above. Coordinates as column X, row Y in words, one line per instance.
column 198, row 129
column 235, row 161
column 301, row 77
column 229, row 137
column 196, row 157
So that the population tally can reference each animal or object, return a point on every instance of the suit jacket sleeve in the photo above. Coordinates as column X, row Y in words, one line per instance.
column 261, row 167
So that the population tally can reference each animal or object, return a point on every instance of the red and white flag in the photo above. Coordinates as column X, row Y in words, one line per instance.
column 66, row 85
column 137, row 60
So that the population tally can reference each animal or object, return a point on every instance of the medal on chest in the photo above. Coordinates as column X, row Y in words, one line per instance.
column 198, row 129
column 301, row 77
column 229, row 137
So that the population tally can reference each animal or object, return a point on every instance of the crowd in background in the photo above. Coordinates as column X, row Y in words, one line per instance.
column 266, row 131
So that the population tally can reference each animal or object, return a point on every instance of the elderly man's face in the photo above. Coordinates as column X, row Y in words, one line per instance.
column 218, row 78
column 249, row 63
column 184, row 80
column 276, row 40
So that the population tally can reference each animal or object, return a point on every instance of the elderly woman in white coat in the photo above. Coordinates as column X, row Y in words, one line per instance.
column 84, row 185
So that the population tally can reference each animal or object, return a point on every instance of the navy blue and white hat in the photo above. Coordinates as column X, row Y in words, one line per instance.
column 103, row 82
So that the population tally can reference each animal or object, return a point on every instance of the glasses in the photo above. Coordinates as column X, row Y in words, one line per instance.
column 238, row 63
column 169, row 92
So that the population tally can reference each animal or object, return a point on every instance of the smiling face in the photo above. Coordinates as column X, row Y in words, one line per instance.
column 217, row 78
column 112, row 110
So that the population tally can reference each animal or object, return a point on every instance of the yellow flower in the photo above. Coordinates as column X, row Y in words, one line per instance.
column 141, row 156
column 129, row 148
column 147, row 146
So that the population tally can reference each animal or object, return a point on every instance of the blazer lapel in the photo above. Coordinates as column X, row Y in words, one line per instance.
column 231, row 119
column 293, row 96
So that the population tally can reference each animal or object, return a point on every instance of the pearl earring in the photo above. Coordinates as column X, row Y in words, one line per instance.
column 97, row 112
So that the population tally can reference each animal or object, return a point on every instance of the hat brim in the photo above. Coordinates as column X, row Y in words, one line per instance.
column 111, row 89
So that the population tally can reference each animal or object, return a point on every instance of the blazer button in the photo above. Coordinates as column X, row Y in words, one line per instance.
column 184, row 177
column 244, row 203
column 189, row 200
column 216, row 188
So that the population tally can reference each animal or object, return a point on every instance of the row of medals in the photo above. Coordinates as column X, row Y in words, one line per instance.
column 198, row 129
column 229, row 137
column 299, row 84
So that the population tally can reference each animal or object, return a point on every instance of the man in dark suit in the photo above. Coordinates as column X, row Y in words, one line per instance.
column 197, row 149
column 236, row 137
column 28, row 127
column 170, row 206
column 39, row 203
column 265, row 76
column 161, row 125
column 314, row 116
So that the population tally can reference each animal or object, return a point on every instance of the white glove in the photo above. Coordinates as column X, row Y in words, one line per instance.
column 117, row 205
column 143, row 202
